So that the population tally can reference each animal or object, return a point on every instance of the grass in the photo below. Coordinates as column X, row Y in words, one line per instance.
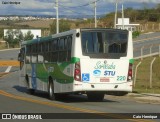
column 2, row 46
column 143, row 76
column 37, row 23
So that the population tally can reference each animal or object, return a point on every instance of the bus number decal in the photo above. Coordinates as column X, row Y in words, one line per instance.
column 121, row 78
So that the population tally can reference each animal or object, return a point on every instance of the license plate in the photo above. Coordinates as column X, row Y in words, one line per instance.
column 104, row 80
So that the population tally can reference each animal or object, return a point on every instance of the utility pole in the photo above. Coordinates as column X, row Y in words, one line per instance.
column 122, row 17
column 57, row 17
column 115, row 18
column 95, row 16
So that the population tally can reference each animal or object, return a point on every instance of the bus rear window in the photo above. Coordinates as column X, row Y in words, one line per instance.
column 106, row 43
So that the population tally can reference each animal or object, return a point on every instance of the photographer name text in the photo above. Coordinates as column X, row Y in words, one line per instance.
column 10, row 2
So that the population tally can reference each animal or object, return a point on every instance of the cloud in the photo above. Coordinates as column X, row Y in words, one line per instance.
column 30, row 7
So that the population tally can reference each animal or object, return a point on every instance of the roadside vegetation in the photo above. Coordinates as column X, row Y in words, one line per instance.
column 14, row 37
column 143, row 76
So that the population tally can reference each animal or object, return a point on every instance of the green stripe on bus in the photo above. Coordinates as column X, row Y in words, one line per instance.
column 57, row 74
column 74, row 59
column 131, row 61
column 64, row 65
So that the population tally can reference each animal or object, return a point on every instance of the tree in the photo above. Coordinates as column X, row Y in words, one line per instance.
column 1, row 33
column 131, row 13
column 63, row 26
column 15, row 37
column 18, row 36
column 28, row 36
column 9, row 37
column 158, row 7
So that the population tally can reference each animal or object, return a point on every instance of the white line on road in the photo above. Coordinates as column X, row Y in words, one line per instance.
column 10, row 49
column 8, row 69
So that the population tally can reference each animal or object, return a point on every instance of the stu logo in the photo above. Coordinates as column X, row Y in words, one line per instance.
column 109, row 73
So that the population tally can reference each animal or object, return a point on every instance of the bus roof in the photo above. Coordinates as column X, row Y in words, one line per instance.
column 42, row 39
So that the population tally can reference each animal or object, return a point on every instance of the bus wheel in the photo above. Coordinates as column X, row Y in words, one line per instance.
column 30, row 91
column 95, row 96
column 51, row 93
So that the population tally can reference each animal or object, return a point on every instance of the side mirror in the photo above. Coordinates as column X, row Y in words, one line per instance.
column 20, row 58
column 77, row 34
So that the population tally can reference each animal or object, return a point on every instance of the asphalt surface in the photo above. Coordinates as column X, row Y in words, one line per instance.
column 15, row 99
column 147, row 41
column 111, row 104
column 11, row 54
column 147, row 35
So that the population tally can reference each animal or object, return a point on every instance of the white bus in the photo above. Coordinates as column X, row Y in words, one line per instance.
column 88, row 61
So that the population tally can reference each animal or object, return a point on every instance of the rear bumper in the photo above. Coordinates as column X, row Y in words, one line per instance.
column 126, row 86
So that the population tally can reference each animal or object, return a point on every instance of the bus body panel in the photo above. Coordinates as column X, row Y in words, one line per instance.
column 104, row 70
column 97, row 73
column 104, row 75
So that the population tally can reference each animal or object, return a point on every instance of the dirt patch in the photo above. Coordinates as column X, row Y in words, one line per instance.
column 3, row 74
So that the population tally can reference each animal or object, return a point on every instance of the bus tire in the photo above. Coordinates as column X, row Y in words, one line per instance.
column 30, row 91
column 117, row 93
column 95, row 96
column 121, row 93
column 52, row 95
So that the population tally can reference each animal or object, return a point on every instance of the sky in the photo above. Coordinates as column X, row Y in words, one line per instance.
column 69, row 7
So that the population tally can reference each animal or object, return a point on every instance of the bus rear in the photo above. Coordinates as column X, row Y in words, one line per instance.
column 105, row 62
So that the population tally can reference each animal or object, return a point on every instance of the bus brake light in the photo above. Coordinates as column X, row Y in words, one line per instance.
column 77, row 72
column 129, row 72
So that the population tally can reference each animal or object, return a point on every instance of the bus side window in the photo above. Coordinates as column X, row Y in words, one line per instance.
column 69, row 48
column 28, row 54
column 65, row 49
column 40, row 54
column 65, row 43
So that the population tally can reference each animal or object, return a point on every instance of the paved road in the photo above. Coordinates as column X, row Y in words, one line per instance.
column 15, row 99
column 147, row 35
column 11, row 54
column 146, row 41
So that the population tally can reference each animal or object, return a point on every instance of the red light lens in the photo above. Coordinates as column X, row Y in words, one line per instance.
column 77, row 71
column 129, row 72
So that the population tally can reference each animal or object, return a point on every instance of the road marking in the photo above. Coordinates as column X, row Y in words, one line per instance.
column 52, row 104
column 8, row 69
column 9, row 63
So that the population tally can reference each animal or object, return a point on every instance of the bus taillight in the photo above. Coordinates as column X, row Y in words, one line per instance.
column 129, row 72
column 77, row 72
